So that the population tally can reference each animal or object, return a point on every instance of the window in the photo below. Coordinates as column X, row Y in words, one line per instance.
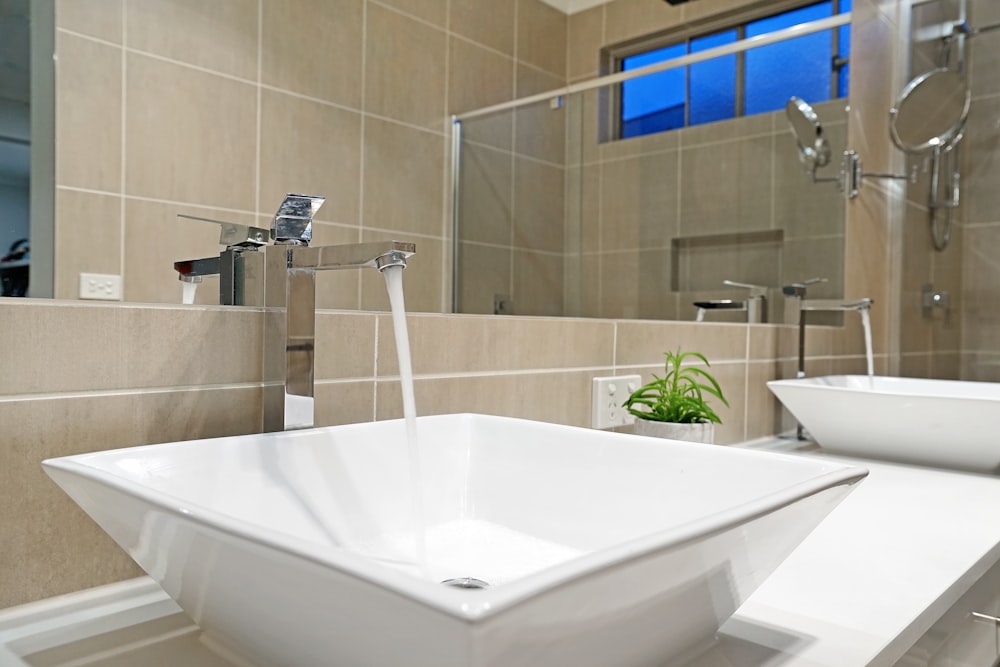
column 813, row 67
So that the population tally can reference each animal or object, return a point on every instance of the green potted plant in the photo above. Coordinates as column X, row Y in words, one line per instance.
column 674, row 406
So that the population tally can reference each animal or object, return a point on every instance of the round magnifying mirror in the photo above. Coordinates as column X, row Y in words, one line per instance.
column 931, row 112
column 814, row 149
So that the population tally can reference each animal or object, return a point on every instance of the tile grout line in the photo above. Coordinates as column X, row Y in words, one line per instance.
column 122, row 230
column 362, row 128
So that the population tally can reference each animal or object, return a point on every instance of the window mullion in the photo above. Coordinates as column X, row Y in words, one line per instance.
column 740, row 84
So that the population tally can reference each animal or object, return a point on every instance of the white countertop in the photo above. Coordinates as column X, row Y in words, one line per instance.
column 896, row 554
column 876, row 574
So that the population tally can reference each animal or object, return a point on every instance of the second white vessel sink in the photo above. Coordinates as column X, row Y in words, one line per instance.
column 314, row 547
column 941, row 423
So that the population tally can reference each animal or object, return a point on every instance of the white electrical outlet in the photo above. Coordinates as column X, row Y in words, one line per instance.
column 101, row 286
column 607, row 397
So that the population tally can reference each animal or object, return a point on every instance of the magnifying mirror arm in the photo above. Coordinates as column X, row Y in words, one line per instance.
column 853, row 174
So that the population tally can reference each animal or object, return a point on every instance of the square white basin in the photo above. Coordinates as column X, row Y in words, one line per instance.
column 299, row 548
column 942, row 423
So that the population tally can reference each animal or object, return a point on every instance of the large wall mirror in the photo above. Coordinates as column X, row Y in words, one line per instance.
column 562, row 214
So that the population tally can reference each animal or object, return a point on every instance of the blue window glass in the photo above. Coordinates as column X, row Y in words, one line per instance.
column 656, row 102
column 799, row 66
column 844, row 43
column 712, row 84
column 708, row 91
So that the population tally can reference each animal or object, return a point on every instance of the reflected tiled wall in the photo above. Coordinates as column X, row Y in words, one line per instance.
column 133, row 375
column 979, row 232
column 704, row 184
column 930, row 339
column 218, row 109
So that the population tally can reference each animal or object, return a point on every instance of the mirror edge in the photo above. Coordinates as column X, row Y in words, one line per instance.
column 41, row 281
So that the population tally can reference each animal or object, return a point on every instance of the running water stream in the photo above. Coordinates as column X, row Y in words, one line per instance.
column 866, row 323
column 394, row 284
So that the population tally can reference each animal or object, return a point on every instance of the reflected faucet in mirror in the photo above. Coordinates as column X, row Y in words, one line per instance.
column 238, row 266
column 755, row 304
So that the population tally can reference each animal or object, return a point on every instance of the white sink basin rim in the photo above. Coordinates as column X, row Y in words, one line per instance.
column 599, row 548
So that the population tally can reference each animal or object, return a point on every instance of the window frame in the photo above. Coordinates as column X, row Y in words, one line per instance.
column 613, row 57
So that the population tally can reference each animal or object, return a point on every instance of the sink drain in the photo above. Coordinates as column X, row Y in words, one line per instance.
column 466, row 582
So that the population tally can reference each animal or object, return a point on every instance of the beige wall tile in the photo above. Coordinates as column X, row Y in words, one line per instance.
column 477, row 77
column 345, row 345
column 620, row 284
column 50, row 545
column 584, row 35
column 656, row 300
column 88, row 236
column 190, row 135
column 746, row 166
column 529, row 396
column 540, row 129
column 212, row 346
column 403, row 178
column 643, row 343
column 41, row 358
column 301, row 41
column 541, row 36
column 486, row 272
column 88, row 114
column 404, row 69
column 486, row 193
column 980, row 160
column 311, row 148
column 345, row 402
column 538, row 283
column 493, row 28
column 470, row 344
column 627, row 19
column 96, row 18
column 432, row 11
column 765, row 413
column 220, row 36
column 538, row 205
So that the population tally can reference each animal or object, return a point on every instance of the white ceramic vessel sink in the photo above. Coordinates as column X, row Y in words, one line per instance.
column 944, row 423
column 299, row 548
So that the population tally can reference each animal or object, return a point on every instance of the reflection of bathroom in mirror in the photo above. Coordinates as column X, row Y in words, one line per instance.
column 173, row 129
column 616, row 201
column 15, row 148
column 950, row 308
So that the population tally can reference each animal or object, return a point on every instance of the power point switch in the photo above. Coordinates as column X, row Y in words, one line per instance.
column 608, row 394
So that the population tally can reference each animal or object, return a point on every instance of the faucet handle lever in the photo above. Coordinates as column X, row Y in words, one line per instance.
column 292, row 222
column 234, row 235
column 756, row 291
column 799, row 289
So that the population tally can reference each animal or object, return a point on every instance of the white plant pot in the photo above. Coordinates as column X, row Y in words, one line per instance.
column 704, row 432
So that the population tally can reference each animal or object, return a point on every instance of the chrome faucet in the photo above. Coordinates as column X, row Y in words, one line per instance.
column 755, row 304
column 290, row 301
column 239, row 266
column 797, row 292
column 282, row 278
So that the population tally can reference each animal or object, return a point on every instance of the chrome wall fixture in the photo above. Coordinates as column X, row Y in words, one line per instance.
column 814, row 151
